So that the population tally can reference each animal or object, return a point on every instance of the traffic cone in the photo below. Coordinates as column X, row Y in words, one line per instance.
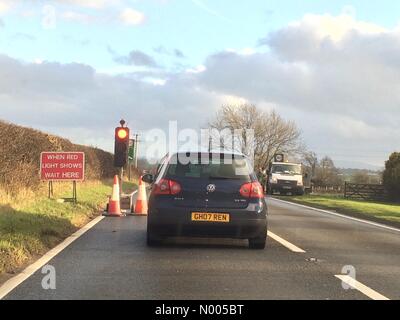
column 114, row 205
column 141, row 207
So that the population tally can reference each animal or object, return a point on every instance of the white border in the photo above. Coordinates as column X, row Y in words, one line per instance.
column 63, row 152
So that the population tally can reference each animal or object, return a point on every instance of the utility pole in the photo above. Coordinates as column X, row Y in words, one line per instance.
column 136, row 149
column 210, row 142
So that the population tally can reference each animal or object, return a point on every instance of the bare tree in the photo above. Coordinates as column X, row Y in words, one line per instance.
column 270, row 133
column 327, row 174
column 310, row 162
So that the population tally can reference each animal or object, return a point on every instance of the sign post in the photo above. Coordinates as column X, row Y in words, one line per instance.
column 62, row 166
column 131, row 157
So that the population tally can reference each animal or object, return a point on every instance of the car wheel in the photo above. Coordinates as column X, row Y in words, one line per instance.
column 258, row 243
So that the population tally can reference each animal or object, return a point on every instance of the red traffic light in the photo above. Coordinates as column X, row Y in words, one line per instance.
column 122, row 133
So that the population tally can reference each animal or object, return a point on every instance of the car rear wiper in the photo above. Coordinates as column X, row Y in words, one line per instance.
column 223, row 178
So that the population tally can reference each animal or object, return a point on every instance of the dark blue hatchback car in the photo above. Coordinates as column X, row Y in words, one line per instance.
column 214, row 195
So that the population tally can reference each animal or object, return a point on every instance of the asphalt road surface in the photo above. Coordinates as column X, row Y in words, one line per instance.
column 305, row 252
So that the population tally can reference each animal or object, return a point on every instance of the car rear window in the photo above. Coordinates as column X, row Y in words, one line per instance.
column 210, row 167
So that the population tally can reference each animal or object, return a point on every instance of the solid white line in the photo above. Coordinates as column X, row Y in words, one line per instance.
column 285, row 243
column 338, row 215
column 370, row 293
column 11, row 284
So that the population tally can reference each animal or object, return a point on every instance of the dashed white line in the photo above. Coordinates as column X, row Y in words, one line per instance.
column 285, row 243
column 14, row 282
column 370, row 293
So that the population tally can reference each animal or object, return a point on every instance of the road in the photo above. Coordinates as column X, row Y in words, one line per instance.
column 112, row 261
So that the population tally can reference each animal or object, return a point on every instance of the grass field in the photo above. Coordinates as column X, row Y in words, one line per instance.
column 31, row 224
column 385, row 211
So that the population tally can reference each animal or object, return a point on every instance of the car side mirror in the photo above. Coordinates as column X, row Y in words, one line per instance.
column 148, row 178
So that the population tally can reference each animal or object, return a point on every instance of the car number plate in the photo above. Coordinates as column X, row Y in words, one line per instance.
column 211, row 217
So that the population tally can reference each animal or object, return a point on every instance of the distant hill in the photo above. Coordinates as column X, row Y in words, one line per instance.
column 20, row 150
column 357, row 165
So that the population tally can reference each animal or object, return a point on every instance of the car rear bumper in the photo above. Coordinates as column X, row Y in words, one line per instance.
column 177, row 222
column 285, row 188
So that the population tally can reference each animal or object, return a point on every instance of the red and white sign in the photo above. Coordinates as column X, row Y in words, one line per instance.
column 62, row 166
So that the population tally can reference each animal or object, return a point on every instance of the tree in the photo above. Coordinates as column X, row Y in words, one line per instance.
column 310, row 163
column 327, row 174
column 271, row 134
column 360, row 177
column 391, row 176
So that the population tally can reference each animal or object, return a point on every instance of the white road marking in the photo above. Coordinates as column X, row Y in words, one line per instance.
column 370, row 293
column 338, row 215
column 14, row 282
column 285, row 243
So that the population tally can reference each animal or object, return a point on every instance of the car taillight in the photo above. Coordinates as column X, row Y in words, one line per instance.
column 167, row 187
column 252, row 190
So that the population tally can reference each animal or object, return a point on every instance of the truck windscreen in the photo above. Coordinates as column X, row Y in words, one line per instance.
column 286, row 169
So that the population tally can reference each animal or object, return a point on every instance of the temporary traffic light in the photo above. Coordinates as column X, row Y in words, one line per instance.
column 279, row 158
column 121, row 146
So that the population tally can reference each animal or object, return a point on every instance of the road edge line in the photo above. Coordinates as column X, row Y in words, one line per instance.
column 285, row 243
column 375, row 224
column 15, row 281
column 367, row 291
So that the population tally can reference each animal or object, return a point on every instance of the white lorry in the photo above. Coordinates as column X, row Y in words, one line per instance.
column 285, row 178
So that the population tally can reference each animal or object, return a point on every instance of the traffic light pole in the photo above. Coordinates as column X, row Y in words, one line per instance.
column 121, row 180
column 136, row 150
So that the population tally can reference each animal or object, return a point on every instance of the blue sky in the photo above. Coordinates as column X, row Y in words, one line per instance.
column 330, row 66
column 197, row 28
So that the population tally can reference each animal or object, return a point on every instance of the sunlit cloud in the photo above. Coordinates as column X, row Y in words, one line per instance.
column 132, row 17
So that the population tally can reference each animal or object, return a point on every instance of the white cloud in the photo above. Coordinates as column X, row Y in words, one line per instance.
column 94, row 4
column 337, row 77
column 5, row 5
column 335, row 27
column 77, row 17
column 130, row 16
column 198, row 69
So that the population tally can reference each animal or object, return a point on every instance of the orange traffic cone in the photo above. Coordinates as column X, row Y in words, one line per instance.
column 114, row 205
column 141, row 207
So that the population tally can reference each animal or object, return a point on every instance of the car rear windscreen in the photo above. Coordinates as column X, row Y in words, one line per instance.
column 210, row 167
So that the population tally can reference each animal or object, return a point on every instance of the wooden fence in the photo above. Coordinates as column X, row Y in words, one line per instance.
column 327, row 189
column 365, row 191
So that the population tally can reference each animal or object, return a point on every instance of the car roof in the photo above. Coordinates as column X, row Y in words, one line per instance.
column 291, row 163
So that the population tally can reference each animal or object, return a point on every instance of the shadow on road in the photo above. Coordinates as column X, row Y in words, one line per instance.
column 200, row 243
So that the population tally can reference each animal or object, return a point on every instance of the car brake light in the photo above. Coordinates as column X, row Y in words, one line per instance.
column 167, row 187
column 175, row 187
column 252, row 190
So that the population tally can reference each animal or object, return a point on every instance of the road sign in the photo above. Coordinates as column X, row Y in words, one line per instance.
column 279, row 158
column 132, row 148
column 62, row 166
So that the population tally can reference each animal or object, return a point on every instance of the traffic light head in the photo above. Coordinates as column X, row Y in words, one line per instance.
column 121, row 147
column 122, row 133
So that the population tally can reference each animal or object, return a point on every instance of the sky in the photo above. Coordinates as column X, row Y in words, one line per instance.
column 76, row 67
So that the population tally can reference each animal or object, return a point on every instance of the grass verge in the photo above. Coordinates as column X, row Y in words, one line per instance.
column 376, row 210
column 31, row 224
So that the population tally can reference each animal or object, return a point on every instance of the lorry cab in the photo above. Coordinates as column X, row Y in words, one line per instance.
column 285, row 177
